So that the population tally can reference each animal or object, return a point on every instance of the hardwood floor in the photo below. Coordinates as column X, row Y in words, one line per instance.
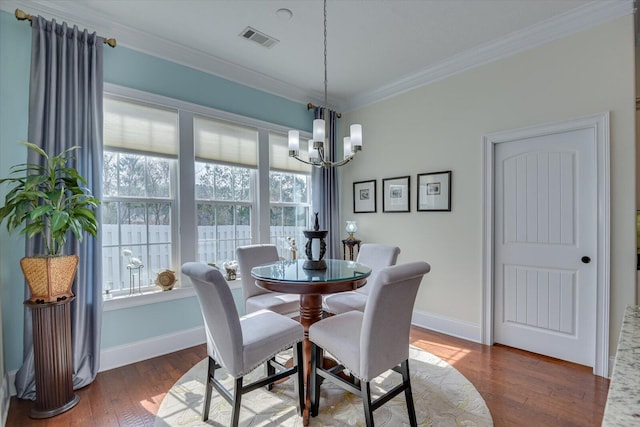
column 520, row 388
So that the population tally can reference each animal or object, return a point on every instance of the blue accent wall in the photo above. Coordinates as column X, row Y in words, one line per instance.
column 128, row 325
column 126, row 67
column 136, row 70
column 120, row 327
column 15, row 48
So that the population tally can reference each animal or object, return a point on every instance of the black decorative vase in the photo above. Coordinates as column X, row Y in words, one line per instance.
column 315, row 248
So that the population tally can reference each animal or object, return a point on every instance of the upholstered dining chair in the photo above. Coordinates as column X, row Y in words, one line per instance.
column 240, row 344
column 256, row 298
column 376, row 256
column 369, row 343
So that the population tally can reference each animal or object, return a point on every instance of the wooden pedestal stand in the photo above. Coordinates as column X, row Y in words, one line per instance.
column 52, row 358
column 350, row 243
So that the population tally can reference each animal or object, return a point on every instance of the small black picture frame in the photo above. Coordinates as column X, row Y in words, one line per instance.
column 434, row 192
column 396, row 194
column 364, row 196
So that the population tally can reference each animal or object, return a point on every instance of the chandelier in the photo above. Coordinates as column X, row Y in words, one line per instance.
column 318, row 146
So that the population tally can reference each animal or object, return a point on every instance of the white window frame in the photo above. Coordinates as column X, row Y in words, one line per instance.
column 251, row 203
column 299, row 243
column 185, row 206
column 172, row 199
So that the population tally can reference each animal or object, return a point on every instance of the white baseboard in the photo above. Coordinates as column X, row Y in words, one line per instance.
column 5, row 399
column 454, row 327
column 114, row 357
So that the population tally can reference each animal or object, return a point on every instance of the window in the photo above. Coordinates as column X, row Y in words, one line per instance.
column 139, row 194
column 226, row 156
column 223, row 210
column 289, row 196
column 183, row 182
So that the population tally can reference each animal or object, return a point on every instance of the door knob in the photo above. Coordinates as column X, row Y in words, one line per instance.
column 585, row 260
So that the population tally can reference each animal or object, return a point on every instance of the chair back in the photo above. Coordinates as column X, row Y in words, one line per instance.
column 387, row 317
column 377, row 256
column 221, row 319
column 251, row 256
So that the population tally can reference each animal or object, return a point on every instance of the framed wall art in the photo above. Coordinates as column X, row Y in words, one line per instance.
column 395, row 193
column 434, row 191
column 364, row 196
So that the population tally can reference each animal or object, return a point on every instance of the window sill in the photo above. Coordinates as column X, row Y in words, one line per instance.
column 152, row 297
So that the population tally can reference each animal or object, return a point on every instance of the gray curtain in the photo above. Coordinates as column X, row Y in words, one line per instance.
column 65, row 109
column 324, row 182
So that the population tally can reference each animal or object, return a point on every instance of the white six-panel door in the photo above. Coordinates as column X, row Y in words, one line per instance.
column 545, row 237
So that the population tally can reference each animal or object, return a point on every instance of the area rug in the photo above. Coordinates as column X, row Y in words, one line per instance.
column 442, row 397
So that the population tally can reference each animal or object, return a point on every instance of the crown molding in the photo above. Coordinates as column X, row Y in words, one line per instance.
column 590, row 15
column 140, row 41
column 584, row 17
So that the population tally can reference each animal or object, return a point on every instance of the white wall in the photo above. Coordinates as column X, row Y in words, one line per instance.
column 440, row 127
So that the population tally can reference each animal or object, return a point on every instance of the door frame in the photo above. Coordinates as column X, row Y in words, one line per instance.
column 599, row 125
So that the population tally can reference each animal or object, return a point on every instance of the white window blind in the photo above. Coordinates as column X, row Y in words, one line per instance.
column 279, row 155
column 140, row 127
column 225, row 142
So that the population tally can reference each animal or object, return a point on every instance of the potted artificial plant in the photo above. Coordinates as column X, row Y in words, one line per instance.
column 49, row 201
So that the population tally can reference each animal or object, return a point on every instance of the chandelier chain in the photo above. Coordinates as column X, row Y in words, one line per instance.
column 325, row 55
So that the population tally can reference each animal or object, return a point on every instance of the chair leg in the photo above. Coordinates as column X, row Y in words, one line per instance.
column 354, row 380
column 269, row 370
column 237, row 396
column 408, row 394
column 211, row 369
column 366, row 401
column 299, row 380
column 314, row 379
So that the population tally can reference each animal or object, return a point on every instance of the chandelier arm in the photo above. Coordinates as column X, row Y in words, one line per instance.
column 304, row 161
column 321, row 155
column 336, row 164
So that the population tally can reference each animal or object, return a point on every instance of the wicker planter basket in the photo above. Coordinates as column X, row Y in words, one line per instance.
column 49, row 278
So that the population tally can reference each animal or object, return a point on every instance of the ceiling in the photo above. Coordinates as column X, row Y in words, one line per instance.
column 376, row 48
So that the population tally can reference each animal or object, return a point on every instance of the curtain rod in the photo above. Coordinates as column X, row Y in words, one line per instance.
column 311, row 106
column 22, row 16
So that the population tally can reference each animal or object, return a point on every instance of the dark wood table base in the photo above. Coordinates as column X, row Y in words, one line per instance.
column 310, row 313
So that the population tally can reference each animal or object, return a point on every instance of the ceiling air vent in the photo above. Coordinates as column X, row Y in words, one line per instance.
column 258, row 37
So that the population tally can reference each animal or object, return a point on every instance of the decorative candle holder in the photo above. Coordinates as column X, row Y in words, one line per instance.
column 351, row 228
column 315, row 247
column 134, row 270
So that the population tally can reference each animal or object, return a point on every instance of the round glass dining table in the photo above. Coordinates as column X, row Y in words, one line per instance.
column 340, row 275
column 290, row 277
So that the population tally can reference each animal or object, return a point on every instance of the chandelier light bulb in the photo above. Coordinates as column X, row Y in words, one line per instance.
column 356, row 137
column 347, row 147
column 294, row 142
column 314, row 155
column 318, row 130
